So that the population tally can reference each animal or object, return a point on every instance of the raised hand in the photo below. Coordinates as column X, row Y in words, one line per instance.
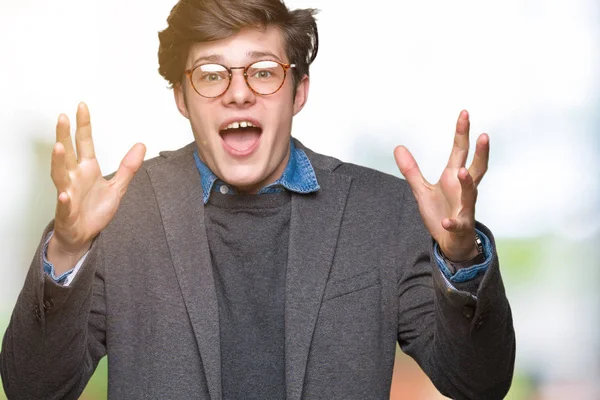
column 448, row 207
column 86, row 201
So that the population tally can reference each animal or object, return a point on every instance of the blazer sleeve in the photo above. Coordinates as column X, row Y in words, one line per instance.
column 461, row 336
column 56, row 335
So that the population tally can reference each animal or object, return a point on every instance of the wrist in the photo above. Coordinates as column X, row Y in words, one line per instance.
column 67, row 246
column 466, row 254
column 466, row 257
column 63, row 257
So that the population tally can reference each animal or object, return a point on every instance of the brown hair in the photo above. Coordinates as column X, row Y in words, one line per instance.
column 193, row 21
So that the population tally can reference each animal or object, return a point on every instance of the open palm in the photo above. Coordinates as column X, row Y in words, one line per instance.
column 448, row 207
column 86, row 201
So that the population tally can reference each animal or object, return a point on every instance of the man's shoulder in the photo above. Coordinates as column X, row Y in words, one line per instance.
column 165, row 159
column 160, row 174
column 362, row 177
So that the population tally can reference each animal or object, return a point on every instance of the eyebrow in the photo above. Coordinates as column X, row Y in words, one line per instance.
column 262, row 54
column 217, row 58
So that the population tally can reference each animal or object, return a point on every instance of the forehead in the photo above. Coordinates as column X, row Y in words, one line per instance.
column 237, row 50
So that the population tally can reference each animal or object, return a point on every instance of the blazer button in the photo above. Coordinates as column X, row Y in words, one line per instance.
column 468, row 311
column 48, row 304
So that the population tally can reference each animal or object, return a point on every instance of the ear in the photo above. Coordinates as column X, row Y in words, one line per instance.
column 301, row 94
column 180, row 100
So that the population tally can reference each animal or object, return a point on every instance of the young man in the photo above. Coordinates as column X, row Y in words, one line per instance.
column 245, row 266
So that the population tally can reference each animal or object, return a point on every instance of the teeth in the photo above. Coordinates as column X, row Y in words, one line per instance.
column 241, row 124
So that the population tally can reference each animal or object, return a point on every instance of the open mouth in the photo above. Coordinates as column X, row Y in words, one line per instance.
column 241, row 137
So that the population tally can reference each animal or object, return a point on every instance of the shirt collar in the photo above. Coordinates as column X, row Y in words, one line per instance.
column 298, row 176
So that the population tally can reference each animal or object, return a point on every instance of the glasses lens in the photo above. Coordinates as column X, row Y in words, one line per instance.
column 265, row 77
column 210, row 80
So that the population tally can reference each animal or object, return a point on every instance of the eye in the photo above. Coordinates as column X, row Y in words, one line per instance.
column 263, row 74
column 210, row 74
column 211, row 77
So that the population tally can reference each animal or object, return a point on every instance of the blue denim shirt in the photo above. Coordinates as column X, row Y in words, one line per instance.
column 299, row 177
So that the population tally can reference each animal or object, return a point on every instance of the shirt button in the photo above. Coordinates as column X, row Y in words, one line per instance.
column 224, row 189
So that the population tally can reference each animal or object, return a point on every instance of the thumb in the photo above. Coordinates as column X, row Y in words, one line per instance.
column 409, row 168
column 130, row 164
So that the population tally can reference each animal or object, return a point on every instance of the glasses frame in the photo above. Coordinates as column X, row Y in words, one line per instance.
column 286, row 67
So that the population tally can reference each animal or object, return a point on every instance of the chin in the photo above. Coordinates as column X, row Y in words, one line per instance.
column 245, row 178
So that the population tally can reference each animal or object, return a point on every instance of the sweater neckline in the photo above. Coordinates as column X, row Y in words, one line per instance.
column 249, row 201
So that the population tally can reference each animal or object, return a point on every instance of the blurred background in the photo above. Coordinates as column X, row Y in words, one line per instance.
column 388, row 73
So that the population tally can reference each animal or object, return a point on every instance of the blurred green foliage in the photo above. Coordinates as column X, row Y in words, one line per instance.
column 97, row 387
column 520, row 258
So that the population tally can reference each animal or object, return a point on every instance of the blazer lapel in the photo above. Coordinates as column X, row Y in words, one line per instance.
column 314, row 227
column 179, row 194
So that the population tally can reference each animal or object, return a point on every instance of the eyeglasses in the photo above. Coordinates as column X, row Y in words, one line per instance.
column 262, row 77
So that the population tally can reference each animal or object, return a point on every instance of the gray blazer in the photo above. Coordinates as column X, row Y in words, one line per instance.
column 360, row 278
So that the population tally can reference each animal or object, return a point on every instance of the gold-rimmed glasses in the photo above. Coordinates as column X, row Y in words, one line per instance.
column 262, row 77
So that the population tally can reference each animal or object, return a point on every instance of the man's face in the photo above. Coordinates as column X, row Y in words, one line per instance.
column 252, row 157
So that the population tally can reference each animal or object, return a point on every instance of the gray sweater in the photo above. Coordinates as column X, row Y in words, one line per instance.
column 248, row 241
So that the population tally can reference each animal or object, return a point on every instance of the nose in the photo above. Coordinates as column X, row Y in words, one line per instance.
column 239, row 94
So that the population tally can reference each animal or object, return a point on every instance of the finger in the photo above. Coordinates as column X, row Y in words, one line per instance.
column 83, row 134
column 410, row 169
column 58, row 168
column 63, row 206
column 460, row 149
column 63, row 136
column 130, row 164
column 468, row 195
column 481, row 158
column 456, row 226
